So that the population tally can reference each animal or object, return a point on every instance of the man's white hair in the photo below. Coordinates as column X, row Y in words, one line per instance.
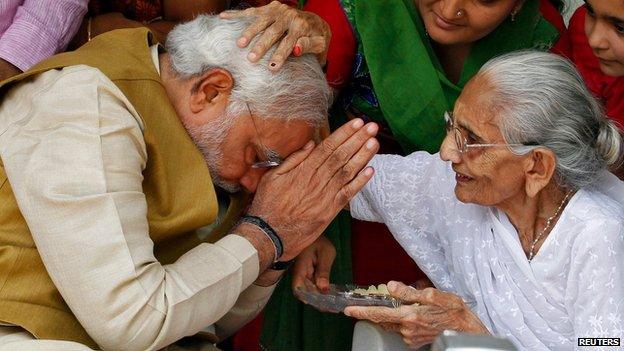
column 298, row 91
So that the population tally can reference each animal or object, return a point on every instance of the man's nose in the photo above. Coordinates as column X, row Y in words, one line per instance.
column 251, row 179
column 449, row 151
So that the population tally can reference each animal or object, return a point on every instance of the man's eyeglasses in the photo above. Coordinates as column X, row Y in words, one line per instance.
column 462, row 142
column 272, row 158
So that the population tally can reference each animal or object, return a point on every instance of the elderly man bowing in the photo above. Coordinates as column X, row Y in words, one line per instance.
column 102, row 189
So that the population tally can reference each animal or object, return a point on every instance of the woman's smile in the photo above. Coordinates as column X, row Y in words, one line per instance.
column 445, row 24
column 462, row 178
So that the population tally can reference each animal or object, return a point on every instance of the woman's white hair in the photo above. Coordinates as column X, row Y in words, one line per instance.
column 297, row 91
column 541, row 98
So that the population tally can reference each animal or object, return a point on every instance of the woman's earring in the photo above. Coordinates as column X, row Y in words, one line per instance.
column 513, row 16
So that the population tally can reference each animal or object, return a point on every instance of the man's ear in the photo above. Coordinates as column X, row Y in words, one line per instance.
column 212, row 89
column 539, row 170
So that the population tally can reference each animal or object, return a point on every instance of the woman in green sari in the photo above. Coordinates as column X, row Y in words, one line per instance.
column 410, row 60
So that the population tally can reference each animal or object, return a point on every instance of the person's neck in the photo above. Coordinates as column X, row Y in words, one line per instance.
column 452, row 58
column 170, row 81
column 167, row 74
column 530, row 214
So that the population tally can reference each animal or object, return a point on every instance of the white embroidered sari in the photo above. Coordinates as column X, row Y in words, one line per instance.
column 574, row 286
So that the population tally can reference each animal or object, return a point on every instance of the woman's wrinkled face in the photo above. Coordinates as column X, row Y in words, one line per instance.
column 486, row 176
column 452, row 22
column 604, row 27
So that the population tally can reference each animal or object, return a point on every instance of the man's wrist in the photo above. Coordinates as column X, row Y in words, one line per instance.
column 262, row 244
column 269, row 277
column 270, row 233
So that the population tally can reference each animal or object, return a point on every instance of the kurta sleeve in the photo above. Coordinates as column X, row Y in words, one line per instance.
column 420, row 183
column 595, row 289
column 74, row 153
column 40, row 29
column 249, row 304
column 414, row 197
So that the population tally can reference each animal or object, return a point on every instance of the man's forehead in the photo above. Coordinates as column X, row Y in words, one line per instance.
column 287, row 137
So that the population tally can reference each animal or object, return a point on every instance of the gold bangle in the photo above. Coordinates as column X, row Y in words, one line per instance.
column 89, row 30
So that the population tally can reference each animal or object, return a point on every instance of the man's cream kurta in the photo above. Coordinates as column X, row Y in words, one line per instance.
column 96, row 183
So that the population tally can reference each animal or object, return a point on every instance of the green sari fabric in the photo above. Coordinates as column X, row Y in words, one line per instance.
column 408, row 92
column 411, row 87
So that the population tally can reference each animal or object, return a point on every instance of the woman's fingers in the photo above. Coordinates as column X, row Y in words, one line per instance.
column 325, row 259
column 267, row 39
column 405, row 293
column 427, row 296
column 284, row 49
column 301, row 269
column 423, row 283
column 229, row 14
column 299, row 33
column 248, row 12
column 376, row 314
column 312, row 45
column 390, row 327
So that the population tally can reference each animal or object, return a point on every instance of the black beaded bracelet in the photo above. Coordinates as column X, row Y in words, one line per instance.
column 282, row 265
column 268, row 231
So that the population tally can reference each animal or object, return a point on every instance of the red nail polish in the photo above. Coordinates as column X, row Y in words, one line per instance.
column 297, row 50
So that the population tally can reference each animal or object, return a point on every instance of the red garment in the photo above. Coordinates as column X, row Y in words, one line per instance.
column 342, row 43
column 608, row 89
column 138, row 10
column 552, row 15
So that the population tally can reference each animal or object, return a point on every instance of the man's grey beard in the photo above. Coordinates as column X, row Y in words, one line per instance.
column 209, row 139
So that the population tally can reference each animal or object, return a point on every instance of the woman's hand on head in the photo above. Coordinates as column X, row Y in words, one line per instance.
column 314, row 264
column 425, row 314
column 299, row 32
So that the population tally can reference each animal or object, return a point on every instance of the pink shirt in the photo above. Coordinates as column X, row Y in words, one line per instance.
column 32, row 30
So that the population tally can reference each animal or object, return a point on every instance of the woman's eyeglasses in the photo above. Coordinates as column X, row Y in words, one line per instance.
column 460, row 140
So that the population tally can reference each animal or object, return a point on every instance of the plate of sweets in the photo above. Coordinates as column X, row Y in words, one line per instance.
column 339, row 296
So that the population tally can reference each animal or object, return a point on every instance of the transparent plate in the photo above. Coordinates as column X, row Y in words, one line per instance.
column 340, row 296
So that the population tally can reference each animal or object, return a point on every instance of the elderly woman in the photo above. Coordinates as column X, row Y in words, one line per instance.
column 517, row 223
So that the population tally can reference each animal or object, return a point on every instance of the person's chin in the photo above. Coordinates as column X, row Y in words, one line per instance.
column 464, row 192
column 461, row 195
column 612, row 68
column 445, row 37
column 228, row 187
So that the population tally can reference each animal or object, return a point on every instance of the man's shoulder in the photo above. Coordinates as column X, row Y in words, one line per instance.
column 65, row 93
